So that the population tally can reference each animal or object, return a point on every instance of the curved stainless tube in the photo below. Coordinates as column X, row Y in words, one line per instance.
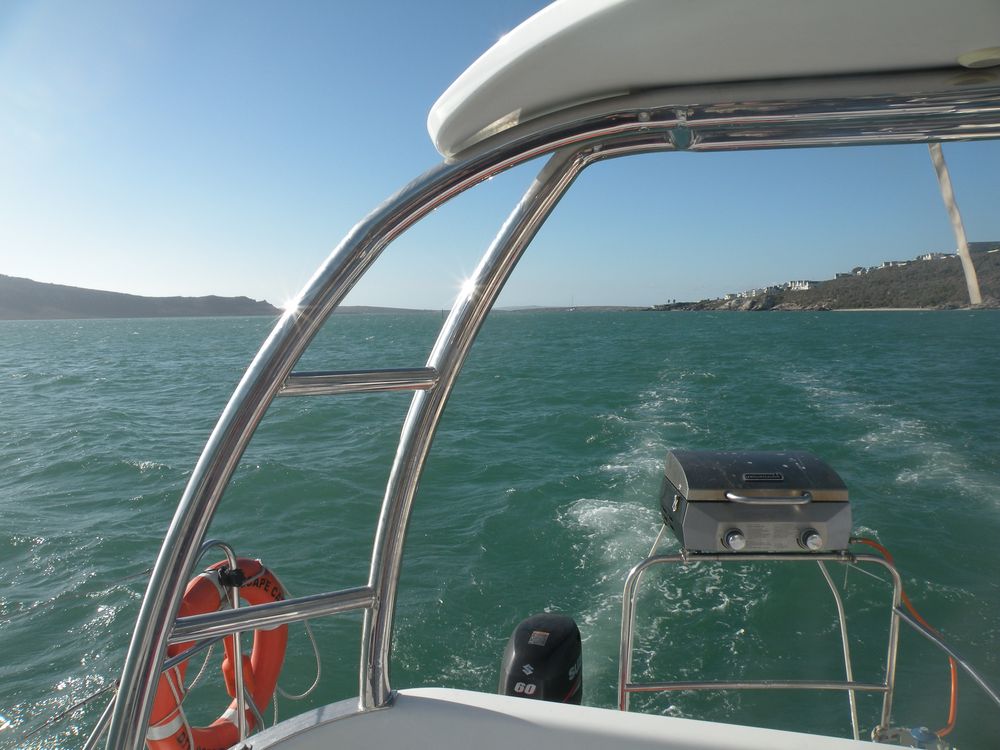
column 664, row 687
column 851, row 112
column 446, row 358
column 231, row 435
column 187, row 653
column 217, row 624
column 264, row 377
column 848, row 669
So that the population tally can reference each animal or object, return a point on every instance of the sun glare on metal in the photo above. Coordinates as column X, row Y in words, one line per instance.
column 467, row 289
column 290, row 306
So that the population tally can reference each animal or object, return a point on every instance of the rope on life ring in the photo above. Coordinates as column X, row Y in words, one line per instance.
column 168, row 727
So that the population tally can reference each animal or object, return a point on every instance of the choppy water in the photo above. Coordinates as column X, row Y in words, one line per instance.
column 541, row 492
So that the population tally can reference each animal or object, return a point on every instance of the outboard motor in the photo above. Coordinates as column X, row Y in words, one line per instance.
column 544, row 660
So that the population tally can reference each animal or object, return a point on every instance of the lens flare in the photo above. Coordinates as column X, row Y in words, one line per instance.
column 467, row 288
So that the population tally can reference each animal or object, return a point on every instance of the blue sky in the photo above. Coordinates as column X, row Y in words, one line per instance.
column 225, row 148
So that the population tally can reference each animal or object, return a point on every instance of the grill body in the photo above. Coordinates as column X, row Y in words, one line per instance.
column 754, row 501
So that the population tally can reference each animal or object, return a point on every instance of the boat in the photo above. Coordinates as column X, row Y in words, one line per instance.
column 727, row 75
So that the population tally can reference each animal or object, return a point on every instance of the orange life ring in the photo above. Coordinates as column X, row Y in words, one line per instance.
column 168, row 727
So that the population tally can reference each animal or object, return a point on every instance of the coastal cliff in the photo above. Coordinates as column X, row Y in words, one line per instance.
column 935, row 284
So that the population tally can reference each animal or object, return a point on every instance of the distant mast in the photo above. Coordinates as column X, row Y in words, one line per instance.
column 948, row 195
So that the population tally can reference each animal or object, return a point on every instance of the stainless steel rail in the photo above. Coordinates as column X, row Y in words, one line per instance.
column 258, row 716
column 272, row 614
column 658, row 687
column 234, row 602
column 264, row 377
column 100, row 727
column 934, row 638
column 447, row 356
column 359, row 381
column 925, row 106
column 934, row 106
column 187, row 653
column 626, row 686
column 66, row 712
column 845, row 647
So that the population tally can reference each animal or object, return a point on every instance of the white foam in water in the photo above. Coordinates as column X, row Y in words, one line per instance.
column 615, row 536
column 907, row 439
column 897, row 431
column 464, row 669
column 618, row 533
column 614, row 418
column 145, row 466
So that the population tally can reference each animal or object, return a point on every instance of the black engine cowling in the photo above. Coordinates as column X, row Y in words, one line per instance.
column 544, row 660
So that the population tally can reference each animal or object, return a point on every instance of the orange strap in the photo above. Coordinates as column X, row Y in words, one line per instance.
column 953, row 667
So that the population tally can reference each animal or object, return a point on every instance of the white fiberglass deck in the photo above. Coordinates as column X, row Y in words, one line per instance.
column 446, row 719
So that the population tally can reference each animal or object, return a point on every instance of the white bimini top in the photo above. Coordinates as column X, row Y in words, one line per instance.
column 577, row 51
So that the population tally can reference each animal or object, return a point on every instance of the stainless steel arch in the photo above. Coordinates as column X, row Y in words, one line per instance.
column 810, row 113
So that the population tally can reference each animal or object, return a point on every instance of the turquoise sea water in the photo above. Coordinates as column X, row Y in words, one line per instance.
column 540, row 494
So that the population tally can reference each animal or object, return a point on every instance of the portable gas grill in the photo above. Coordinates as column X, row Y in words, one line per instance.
column 754, row 501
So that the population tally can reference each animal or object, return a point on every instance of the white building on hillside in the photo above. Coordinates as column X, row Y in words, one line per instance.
column 800, row 285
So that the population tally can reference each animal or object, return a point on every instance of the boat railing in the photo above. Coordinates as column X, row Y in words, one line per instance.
column 960, row 660
column 815, row 112
column 627, row 687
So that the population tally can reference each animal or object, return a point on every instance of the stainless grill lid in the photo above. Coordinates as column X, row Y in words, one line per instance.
column 722, row 475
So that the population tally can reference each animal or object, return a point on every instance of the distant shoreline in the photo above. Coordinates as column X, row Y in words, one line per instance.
column 370, row 310
column 899, row 309
column 926, row 283
column 348, row 310
column 833, row 310
column 26, row 299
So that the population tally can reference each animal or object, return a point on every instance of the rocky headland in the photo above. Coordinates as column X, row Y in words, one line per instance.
column 930, row 284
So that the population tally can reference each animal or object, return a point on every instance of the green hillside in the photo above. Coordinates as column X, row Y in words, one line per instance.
column 926, row 284
column 24, row 299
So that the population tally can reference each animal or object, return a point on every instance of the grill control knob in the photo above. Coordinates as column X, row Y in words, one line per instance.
column 811, row 540
column 734, row 540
